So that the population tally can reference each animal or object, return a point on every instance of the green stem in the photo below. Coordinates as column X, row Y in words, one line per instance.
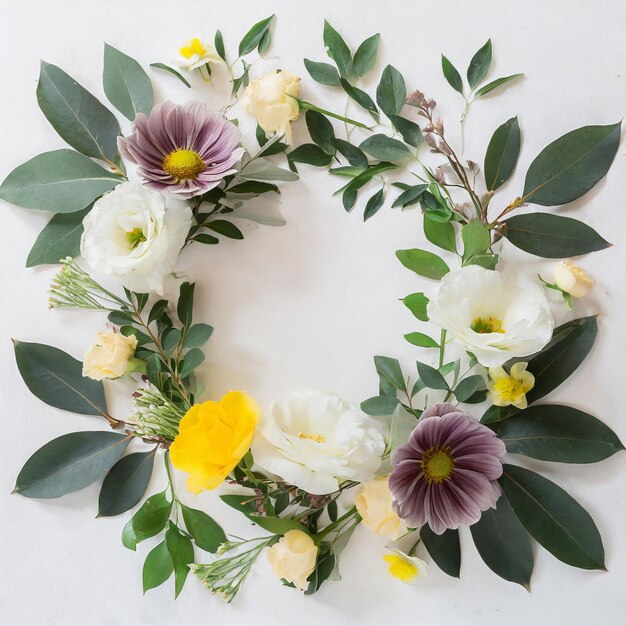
column 307, row 106
column 346, row 516
column 442, row 346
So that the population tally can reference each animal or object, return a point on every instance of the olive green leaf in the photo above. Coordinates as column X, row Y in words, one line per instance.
column 502, row 154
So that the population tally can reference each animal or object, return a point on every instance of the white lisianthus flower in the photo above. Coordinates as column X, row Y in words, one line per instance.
column 109, row 355
column 135, row 234
column 495, row 315
column 195, row 53
column 374, row 504
column 293, row 558
column 572, row 279
column 273, row 101
column 316, row 441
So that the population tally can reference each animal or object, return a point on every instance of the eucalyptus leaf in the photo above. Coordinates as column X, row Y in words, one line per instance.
column 254, row 36
column 277, row 525
column 409, row 196
column 362, row 98
column 321, row 131
column 171, row 70
column 385, row 148
column 311, row 154
column 379, row 405
column 198, row 335
column 338, row 50
column 410, row 131
column 432, row 378
column 390, row 374
column 355, row 156
column 261, row 169
column 365, row 55
column 374, row 204
column 502, row 154
column 323, row 73
column 391, row 91
column 193, row 359
column 466, row 387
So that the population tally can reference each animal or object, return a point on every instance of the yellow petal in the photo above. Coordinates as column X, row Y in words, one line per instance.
column 497, row 373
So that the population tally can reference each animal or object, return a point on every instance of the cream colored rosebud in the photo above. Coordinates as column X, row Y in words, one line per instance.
column 374, row 504
column 109, row 355
column 273, row 101
column 572, row 279
column 293, row 558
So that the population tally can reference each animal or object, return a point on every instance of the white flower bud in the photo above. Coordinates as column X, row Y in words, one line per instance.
column 572, row 279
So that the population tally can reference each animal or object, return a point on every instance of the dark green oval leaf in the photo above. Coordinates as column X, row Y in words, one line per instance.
column 321, row 131
column 479, row 65
column 494, row 84
column 390, row 374
column 374, row 204
column 151, row 517
column 157, row 567
column 361, row 97
column 451, row 74
column 225, row 228
column 432, row 378
column 337, row 50
column 444, row 549
column 410, row 131
column 323, row 73
column 206, row 532
column 502, row 154
column 311, row 154
column 253, row 37
column 391, row 91
column 355, row 156
column 181, row 550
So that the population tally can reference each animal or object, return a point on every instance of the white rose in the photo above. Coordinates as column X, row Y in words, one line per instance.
column 496, row 315
column 135, row 234
column 109, row 355
column 375, row 505
column 273, row 101
column 293, row 558
column 316, row 441
column 572, row 279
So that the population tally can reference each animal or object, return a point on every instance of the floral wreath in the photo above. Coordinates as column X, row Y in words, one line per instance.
column 412, row 463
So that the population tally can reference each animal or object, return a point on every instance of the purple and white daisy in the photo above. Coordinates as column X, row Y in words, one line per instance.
column 445, row 475
column 185, row 149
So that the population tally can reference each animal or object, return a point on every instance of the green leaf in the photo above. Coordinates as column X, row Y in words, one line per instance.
column 432, row 378
column 354, row 155
column 558, row 433
column 502, row 154
column 181, row 550
column 219, row 45
column 240, row 502
column 423, row 263
column 374, row 204
column 367, row 175
column 494, row 84
column 151, row 517
column 59, row 239
column 488, row 261
column 61, row 181
column 323, row 568
column 311, row 154
column 57, row 379
column 385, row 148
column 476, row 239
column 479, row 65
column 553, row 518
column 410, row 131
column 553, row 236
column 421, row 340
column 198, row 335
column 171, row 70
column 391, row 91
column 125, row 484
column 362, row 98
column 226, row 228
column 451, row 74
column 206, row 532
column 503, row 544
column 321, row 131
column 264, row 44
column 193, row 359
column 409, row 196
column 253, row 37
column 466, row 388
column 365, row 55
column 70, row 463
column 184, row 308
column 323, row 73
column 444, row 549
column 337, row 50
column 417, row 303
column 171, row 339
column 390, row 373
column 440, row 234
column 126, row 84
column 80, row 118
column 379, row 405
column 157, row 568
column 277, row 525
column 571, row 165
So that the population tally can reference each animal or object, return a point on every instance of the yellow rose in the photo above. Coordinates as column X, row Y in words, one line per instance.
column 109, row 355
column 293, row 558
column 213, row 437
column 273, row 101
column 572, row 279
column 374, row 504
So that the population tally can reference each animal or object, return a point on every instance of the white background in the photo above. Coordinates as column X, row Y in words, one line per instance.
column 308, row 305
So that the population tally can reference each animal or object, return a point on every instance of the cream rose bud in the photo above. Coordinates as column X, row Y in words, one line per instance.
column 135, row 234
column 109, row 355
column 375, row 505
column 273, row 101
column 572, row 279
column 293, row 558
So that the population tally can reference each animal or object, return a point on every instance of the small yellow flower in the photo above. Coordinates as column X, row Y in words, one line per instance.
column 212, row 439
column 404, row 567
column 506, row 389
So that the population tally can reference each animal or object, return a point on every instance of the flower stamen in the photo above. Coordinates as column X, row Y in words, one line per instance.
column 483, row 325
column 437, row 464
column 183, row 164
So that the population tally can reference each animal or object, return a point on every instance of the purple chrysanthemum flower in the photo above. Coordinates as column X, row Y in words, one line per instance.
column 185, row 149
column 444, row 476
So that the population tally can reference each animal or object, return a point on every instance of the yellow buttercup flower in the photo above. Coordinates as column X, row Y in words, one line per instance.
column 506, row 389
column 212, row 439
column 404, row 567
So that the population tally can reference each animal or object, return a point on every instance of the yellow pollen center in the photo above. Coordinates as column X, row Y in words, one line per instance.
column 135, row 237
column 400, row 568
column 510, row 390
column 193, row 47
column 484, row 325
column 437, row 464
column 183, row 164
column 316, row 438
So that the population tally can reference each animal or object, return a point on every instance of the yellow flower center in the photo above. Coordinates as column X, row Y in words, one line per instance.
column 510, row 390
column 484, row 325
column 183, row 164
column 400, row 568
column 317, row 438
column 193, row 47
column 135, row 237
column 437, row 464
